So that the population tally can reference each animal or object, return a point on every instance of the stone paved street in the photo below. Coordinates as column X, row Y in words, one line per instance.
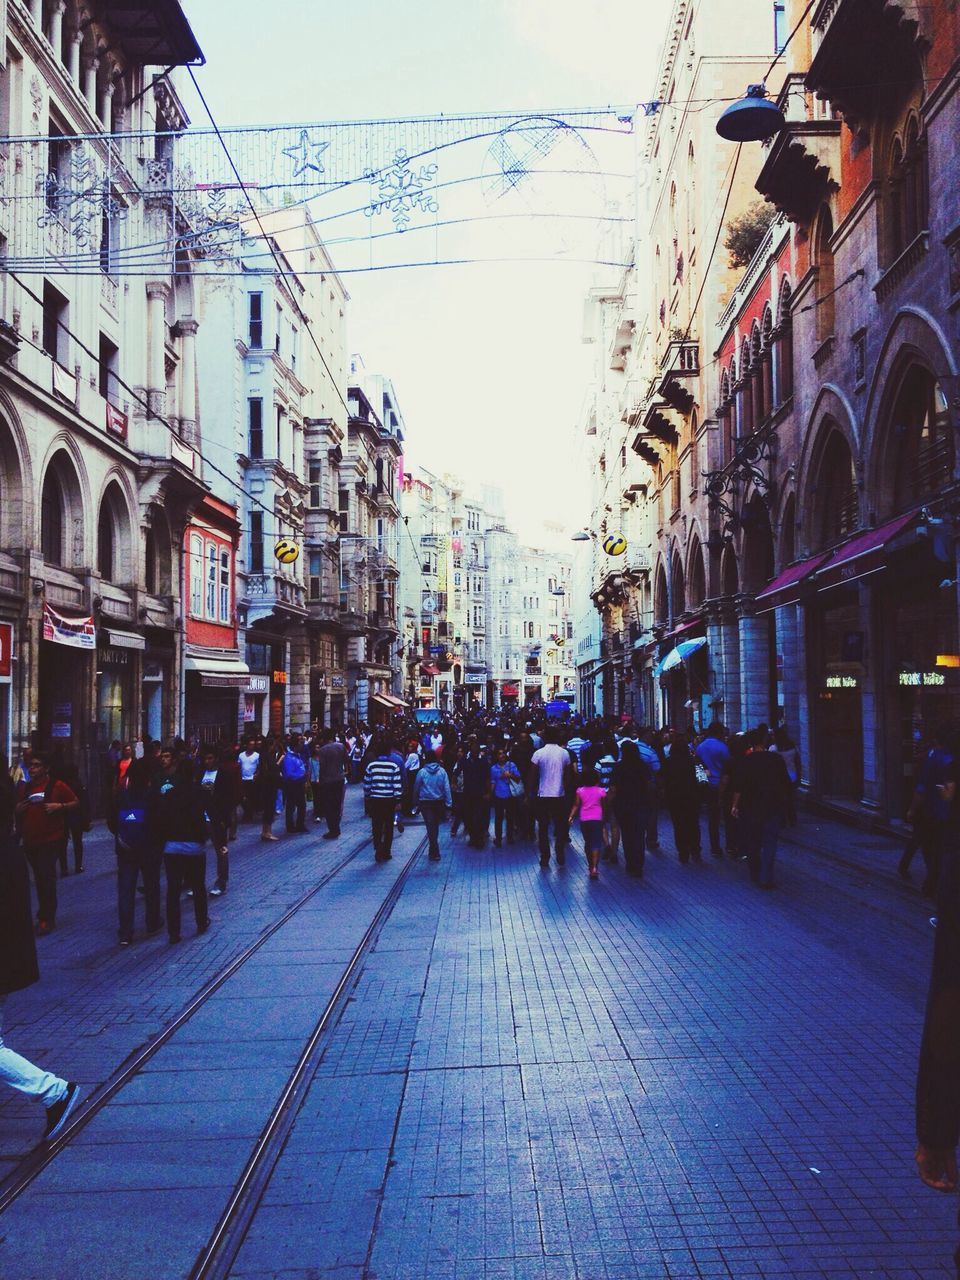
column 534, row 1077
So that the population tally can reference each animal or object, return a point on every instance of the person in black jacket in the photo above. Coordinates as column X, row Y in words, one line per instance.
column 762, row 804
column 18, row 969
column 178, row 816
column 681, row 794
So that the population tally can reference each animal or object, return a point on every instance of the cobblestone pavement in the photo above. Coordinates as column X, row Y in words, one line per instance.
column 535, row 1077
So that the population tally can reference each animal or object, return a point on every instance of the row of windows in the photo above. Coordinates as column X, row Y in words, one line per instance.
column 210, row 580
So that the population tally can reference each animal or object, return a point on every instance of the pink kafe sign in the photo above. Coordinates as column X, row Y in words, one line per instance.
column 78, row 633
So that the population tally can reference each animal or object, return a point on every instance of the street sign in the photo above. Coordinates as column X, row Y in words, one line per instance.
column 428, row 604
column 437, row 649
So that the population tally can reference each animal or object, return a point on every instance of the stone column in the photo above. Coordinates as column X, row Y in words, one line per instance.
column 73, row 57
column 871, row 691
column 189, row 416
column 298, row 690
column 56, row 27
column 90, row 83
column 729, row 668
column 105, row 106
column 157, row 293
column 788, row 649
column 754, row 668
column 36, row 13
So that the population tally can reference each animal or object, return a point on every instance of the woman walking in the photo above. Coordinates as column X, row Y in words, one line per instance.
column 507, row 787
column 268, row 780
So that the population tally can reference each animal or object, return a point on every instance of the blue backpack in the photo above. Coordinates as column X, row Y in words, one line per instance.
column 293, row 768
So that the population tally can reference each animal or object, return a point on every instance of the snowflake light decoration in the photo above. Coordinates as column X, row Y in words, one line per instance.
column 401, row 189
column 81, row 201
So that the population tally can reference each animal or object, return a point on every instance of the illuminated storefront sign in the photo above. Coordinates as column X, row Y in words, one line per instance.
column 922, row 679
column 842, row 682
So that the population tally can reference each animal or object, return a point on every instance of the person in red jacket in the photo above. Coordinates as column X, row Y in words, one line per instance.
column 42, row 813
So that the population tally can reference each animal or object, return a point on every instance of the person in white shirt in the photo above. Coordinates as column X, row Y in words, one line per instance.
column 551, row 774
column 249, row 761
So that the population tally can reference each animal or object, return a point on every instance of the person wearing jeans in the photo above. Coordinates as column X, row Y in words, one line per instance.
column 42, row 811
column 331, row 781
column 382, row 787
column 178, row 815
column 432, row 795
column 551, row 771
column 714, row 754
column 18, row 969
column 138, row 853
column 504, row 781
column 762, row 803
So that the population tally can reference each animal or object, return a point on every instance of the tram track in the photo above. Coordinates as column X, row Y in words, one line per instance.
column 35, row 1162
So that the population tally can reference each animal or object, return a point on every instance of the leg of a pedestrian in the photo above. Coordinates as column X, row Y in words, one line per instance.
column 676, row 820
column 43, row 859
column 76, row 831
column 197, row 880
column 432, row 813
column 543, row 830
column 127, row 872
column 150, row 871
column 22, row 1075
column 750, row 838
column 174, row 872
column 561, row 811
column 768, row 852
column 389, row 813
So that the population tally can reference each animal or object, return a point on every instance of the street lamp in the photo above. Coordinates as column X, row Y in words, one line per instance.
column 582, row 535
column 753, row 119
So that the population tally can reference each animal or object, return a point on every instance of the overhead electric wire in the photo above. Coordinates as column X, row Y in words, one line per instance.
column 783, row 48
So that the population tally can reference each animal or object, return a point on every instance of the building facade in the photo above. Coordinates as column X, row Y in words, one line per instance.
column 99, row 431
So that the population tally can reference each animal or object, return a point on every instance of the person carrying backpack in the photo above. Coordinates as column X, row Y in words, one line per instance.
column 293, row 772
column 138, row 851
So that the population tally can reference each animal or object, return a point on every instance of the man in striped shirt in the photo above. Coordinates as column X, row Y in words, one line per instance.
column 383, row 787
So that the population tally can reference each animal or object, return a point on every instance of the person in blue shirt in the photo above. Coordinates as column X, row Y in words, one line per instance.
column 714, row 754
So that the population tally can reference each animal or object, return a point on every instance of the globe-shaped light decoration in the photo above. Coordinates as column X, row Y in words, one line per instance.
column 286, row 551
column 615, row 544
column 753, row 119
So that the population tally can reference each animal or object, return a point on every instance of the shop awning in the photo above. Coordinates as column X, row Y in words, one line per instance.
column 785, row 587
column 218, row 673
column 510, row 691
column 682, row 630
column 861, row 556
column 684, row 650
column 123, row 639
column 387, row 702
column 429, row 669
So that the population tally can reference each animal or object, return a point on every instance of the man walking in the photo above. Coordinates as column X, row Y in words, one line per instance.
column 293, row 771
column 551, row 775
column 432, row 795
column 762, row 803
column 331, row 783
column 383, row 787
column 42, row 814
column 714, row 754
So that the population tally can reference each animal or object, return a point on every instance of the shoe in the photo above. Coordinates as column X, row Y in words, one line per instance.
column 78, row 870
column 932, row 922
column 268, row 835
column 125, row 942
column 202, row 928
column 216, row 892
column 331, row 835
column 42, row 928
column 59, row 1113
column 594, row 873
column 434, row 857
column 381, row 857
column 399, row 828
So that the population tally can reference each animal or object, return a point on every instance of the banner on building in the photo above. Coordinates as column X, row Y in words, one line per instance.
column 6, row 648
column 78, row 633
column 116, row 422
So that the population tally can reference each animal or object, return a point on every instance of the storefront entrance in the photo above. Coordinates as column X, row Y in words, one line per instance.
column 838, row 697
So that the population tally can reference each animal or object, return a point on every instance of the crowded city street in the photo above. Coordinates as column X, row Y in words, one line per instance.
column 528, row 1073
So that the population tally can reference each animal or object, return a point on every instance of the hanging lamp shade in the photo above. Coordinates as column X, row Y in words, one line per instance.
column 752, row 119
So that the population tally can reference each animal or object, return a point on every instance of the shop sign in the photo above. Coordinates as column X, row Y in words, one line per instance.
column 922, row 679
column 475, row 677
column 337, row 680
column 279, row 677
column 61, row 729
column 842, row 682
column 6, row 648
column 116, row 423
column 112, row 657
column 257, row 685
column 77, row 633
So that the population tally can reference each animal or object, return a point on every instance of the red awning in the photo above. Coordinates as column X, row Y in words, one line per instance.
column 429, row 669
column 862, row 555
column 510, row 691
column 785, row 587
column 683, row 630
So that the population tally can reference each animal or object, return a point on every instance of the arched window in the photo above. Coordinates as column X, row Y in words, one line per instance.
column 907, row 191
column 784, row 346
column 106, row 542
column 923, row 439
column 745, row 421
column 825, row 276
column 661, row 602
column 698, row 577
column 677, row 589
column 766, row 362
column 725, row 414
column 759, row 405
column 836, row 499
column 52, row 513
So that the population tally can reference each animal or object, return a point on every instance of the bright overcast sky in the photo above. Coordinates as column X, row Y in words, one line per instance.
column 487, row 360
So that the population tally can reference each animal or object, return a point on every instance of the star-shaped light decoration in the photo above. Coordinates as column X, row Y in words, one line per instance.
column 306, row 154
